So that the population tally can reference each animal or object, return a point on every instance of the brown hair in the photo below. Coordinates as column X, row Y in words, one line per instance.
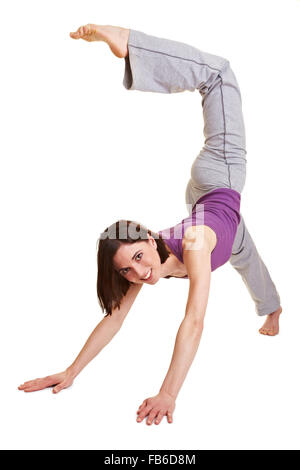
column 112, row 286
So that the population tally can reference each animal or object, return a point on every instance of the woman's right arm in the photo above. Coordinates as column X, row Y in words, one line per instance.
column 100, row 337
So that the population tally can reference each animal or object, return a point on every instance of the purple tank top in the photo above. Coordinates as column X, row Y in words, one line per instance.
column 220, row 210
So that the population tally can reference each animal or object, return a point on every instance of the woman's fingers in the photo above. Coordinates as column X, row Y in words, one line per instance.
column 40, row 384
column 159, row 417
column 151, row 416
column 37, row 384
column 142, row 406
column 144, row 413
column 34, row 388
column 62, row 385
column 156, row 407
column 28, row 384
column 154, row 415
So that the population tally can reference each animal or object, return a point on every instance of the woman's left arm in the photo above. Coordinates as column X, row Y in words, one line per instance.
column 198, row 244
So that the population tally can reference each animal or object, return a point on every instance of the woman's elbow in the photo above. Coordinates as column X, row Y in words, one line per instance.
column 196, row 323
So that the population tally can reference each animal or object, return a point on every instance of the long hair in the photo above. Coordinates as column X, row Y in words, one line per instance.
column 112, row 286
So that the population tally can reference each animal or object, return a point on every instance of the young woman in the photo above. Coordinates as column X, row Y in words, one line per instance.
column 130, row 255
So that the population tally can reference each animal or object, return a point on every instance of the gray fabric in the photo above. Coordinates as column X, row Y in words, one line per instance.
column 162, row 65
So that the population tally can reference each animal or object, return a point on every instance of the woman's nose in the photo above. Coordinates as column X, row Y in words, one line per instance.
column 139, row 272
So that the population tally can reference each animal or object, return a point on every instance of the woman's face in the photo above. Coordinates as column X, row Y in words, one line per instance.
column 139, row 262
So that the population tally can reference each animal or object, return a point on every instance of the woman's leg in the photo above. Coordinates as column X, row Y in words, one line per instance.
column 246, row 260
column 165, row 66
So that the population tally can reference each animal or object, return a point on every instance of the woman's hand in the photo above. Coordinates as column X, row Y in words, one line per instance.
column 157, row 407
column 61, row 380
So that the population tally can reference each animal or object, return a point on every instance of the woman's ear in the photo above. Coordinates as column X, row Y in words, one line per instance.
column 152, row 241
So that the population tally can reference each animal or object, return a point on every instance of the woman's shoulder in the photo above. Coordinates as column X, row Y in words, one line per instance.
column 197, row 237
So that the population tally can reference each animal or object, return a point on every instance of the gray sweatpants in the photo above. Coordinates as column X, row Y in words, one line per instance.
column 165, row 66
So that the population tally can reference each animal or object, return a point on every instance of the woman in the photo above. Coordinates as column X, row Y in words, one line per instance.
column 129, row 255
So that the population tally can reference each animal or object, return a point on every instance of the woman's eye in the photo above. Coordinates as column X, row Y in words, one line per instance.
column 138, row 257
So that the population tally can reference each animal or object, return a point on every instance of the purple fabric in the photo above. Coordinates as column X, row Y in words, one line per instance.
column 220, row 210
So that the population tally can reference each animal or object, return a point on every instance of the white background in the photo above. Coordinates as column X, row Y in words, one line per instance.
column 78, row 152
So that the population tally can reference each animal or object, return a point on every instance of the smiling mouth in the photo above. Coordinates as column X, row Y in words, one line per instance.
column 149, row 275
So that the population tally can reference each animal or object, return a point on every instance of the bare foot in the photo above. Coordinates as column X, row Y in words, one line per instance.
column 114, row 36
column 271, row 325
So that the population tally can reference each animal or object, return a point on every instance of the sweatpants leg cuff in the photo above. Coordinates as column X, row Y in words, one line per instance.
column 270, row 308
